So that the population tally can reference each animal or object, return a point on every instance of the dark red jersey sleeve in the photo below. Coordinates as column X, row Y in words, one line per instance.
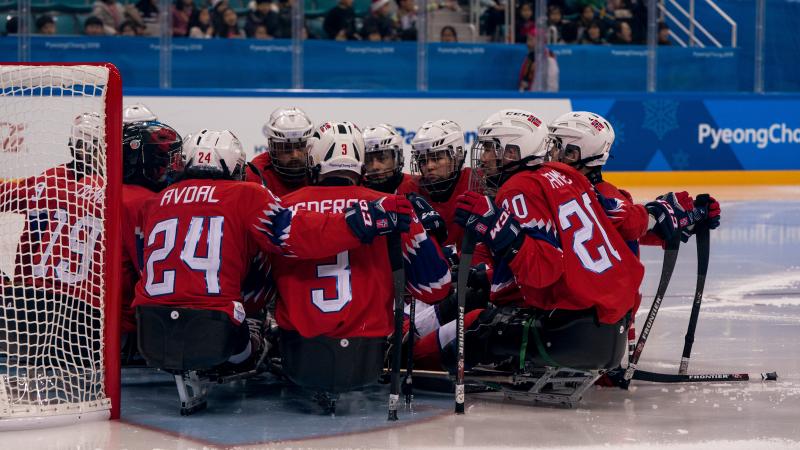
column 628, row 218
column 304, row 234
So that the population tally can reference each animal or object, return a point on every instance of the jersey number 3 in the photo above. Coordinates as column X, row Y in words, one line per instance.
column 339, row 271
column 208, row 264
column 585, row 233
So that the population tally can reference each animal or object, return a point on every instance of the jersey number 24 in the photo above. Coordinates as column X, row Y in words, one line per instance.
column 208, row 264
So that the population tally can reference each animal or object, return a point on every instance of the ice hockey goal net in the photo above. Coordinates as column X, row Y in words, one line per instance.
column 60, row 168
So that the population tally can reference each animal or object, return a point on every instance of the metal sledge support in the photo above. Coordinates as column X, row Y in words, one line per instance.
column 193, row 386
column 553, row 385
column 192, row 391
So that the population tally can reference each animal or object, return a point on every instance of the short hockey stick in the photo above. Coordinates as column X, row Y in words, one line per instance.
column 668, row 266
column 257, row 171
column 408, row 385
column 467, row 248
column 399, row 278
column 703, row 252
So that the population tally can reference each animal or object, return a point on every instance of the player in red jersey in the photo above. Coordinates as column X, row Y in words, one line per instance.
column 437, row 156
column 59, row 262
column 210, row 216
column 583, row 140
column 151, row 156
column 384, row 160
column 350, row 294
column 550, row 239
column 64, row 207
column 283, row 166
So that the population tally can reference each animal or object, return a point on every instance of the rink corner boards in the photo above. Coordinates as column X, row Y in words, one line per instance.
column 716, row 177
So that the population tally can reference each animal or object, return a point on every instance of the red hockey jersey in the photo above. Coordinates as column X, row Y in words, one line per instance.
column 410, row 184
column 572, row 258
column 447, row 209
column 275, row 183
column 351, row 294
column 133, row 199
column 59, row 246
column 191, row 227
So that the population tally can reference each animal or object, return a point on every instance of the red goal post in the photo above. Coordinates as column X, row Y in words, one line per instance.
column 60, row 243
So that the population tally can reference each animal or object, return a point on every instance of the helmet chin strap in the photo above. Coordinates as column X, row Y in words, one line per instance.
column 388, row 185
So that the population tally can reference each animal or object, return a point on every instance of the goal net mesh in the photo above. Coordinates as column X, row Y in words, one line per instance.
column 53, row 243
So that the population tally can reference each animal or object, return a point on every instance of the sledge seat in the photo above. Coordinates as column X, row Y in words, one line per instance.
column 576, row 339
column 185, row 339
column 331, row 365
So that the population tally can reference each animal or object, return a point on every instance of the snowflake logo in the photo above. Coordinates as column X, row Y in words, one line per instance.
column 619, row 130
column 680, row 159
column 660, row 116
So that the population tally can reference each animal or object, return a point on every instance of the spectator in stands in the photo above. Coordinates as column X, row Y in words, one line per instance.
column 93, row 26
column 406, row 20
column 12, row 25
column 261, row 15
column 622, row 34
column 112, row 14
column 380, row 19
column 586, row 18
column 663, row 34
column 619, row 9
column 555, row 24
column 200, row 26
column 340, row 22
column 493, row 18
column 448, row 34
column 148, row 10
column 230, row 26
column 370, row 33
column 182, row 13
column 593, row 35
column 282, row 26
column 525, row 23
column 127, row 29
column 261, row 32
column 527, row 74
column 45, row 24
column 217, row 11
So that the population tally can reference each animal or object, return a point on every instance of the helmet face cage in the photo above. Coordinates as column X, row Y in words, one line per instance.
column 487, row 164
column 420, row 159
column 85, row 143
column 289, row 159
column 381, row 152
column 491, row 164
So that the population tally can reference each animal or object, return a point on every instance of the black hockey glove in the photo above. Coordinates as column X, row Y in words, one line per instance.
column 489, row 224
column 431, row 220
column 390, row 214
column 673, row 213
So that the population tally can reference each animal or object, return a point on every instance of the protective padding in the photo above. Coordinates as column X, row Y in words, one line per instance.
column 331, row 365
column 577, row 342
column 570, row 339
column 183, row 339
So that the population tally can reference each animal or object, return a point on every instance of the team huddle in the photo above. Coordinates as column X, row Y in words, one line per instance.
column 293, row 244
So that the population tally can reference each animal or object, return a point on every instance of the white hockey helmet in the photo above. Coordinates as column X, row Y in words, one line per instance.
column 137, row 113
column 586, row 135
column 432, row 139
column 86, row 141
column 287, row 131
column 382, row 141
column 214, row 154
column 336, row 146
column 507, row 140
